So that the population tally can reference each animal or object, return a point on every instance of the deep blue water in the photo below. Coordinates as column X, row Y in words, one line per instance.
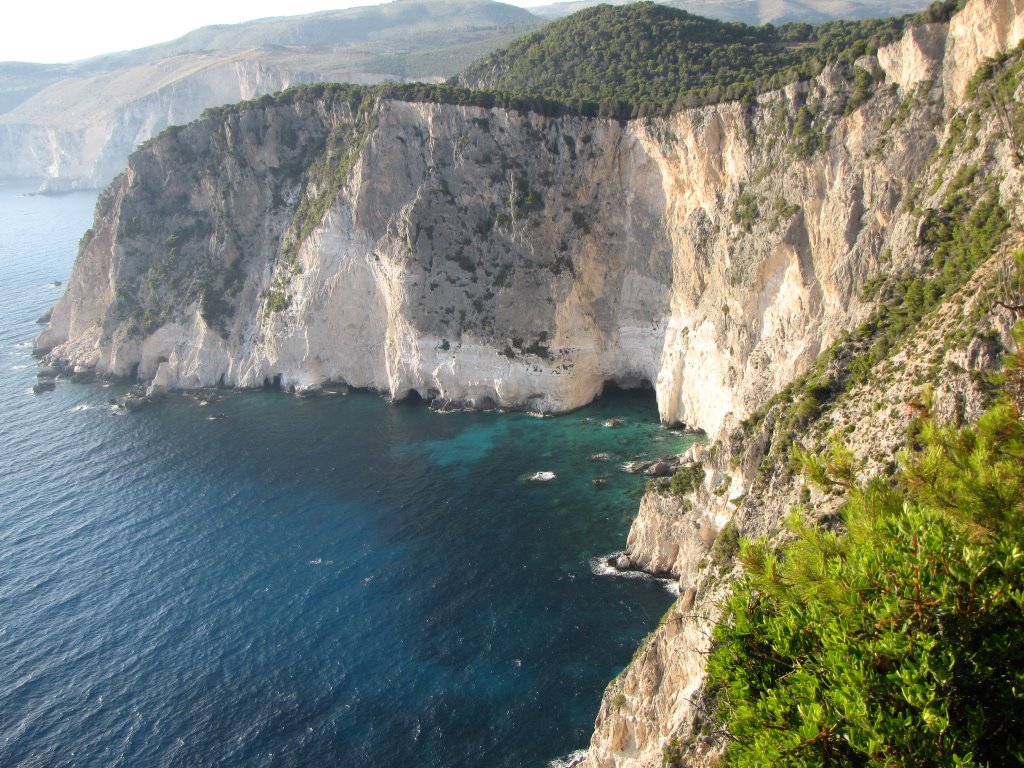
column 338, row 581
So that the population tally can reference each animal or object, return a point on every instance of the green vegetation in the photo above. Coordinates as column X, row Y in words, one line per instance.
column 726, row 546
column 363, row 96
column 963, row 233
column 900, row 642
column 323, row 180
column 893, row 637
column 646, row 59
column 686, row 479
column 782, row 212
column 994, row 87
column 674, row 753
column 805, row 138
column 177, row 272
column 746, row 212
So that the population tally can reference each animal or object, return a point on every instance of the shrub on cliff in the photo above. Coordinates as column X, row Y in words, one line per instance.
column 686, row 479
column 900, row 642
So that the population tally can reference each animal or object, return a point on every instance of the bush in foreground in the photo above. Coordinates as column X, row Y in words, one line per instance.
column 901, row 641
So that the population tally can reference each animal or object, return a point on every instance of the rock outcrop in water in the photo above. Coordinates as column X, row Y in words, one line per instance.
column 492, row 256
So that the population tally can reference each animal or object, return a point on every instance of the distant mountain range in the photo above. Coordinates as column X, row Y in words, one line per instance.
column 408, row 39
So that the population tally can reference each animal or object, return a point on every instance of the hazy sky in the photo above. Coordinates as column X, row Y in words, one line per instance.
column 40, row 30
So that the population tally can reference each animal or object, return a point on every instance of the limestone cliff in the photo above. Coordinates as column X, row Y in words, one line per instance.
column 494, row 256
column 655, row 713
column 498, row 256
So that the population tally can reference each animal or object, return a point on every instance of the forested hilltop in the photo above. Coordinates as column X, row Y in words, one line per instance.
column 648, row 59
column 637, row 60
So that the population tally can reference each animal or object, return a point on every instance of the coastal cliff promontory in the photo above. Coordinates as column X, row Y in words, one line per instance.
column 781, row 269
column 499, row 255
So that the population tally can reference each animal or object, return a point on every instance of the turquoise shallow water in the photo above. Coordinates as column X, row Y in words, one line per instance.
column 305, row 582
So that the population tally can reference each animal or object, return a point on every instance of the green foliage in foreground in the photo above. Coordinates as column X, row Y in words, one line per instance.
column 901, row 642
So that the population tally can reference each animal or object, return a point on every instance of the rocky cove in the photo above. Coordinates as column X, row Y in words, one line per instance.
column 489, row 256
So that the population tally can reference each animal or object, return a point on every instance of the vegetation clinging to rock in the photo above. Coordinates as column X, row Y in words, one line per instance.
column 898, row 643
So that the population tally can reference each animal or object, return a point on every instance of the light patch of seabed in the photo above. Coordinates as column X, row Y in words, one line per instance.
column 471, row 445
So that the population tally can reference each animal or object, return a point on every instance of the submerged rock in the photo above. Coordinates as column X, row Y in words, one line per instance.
column 134, row 404
column 83, row 375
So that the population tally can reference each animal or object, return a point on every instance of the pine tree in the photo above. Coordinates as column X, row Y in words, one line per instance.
column 901, row 641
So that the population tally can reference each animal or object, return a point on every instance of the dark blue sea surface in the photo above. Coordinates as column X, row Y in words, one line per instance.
column 338, row 581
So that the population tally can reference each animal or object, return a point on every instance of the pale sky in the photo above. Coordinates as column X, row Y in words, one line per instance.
column 64, row 30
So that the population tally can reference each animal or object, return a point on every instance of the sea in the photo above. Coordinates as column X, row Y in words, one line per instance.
column 257, row 579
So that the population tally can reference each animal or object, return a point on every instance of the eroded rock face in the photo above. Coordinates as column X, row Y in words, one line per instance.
column 917, row 57
column 982, row 29
column 655, row 708
column 474, row 254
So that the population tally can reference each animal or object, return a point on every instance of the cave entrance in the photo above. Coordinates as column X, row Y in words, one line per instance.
column 635, row 392
column 629, row 383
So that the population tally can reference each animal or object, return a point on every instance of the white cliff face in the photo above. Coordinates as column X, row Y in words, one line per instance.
column 916, row 58
column 488, row 256
column 981, row 30
column 444, row 265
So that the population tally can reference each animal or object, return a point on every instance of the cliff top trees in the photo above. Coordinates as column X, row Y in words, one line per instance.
column 646, row 59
